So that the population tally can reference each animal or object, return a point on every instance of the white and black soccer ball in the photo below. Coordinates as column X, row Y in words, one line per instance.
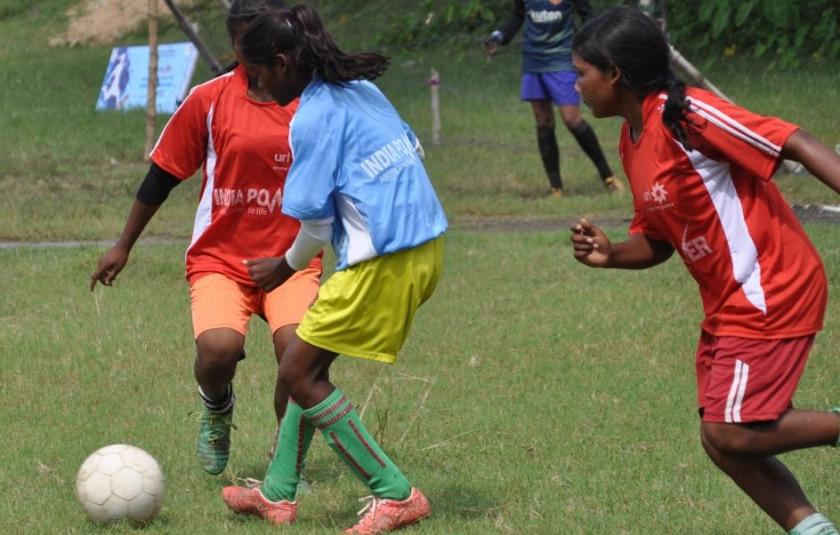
column 120, row 482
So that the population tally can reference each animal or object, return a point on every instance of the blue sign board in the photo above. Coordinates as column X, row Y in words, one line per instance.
column 127, row 77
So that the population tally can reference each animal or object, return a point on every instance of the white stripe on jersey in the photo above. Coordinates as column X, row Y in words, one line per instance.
column 359, row 242
column 742, row 250
column 180, row 107
column 730, row 125
column 735, row 400
column 204, row 213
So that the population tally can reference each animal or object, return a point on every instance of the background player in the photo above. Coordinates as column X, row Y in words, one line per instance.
column 233, row 129
column 548, row 77
column 700, row 170
column 357, row 180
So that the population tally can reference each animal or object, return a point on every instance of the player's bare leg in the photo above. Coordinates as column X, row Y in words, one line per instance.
column 217, row 353
column 745, row 454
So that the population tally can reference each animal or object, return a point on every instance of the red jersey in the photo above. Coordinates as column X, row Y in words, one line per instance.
column 759, row 275
column 242, row 146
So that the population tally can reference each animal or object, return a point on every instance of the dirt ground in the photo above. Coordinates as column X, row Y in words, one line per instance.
column 103, row 21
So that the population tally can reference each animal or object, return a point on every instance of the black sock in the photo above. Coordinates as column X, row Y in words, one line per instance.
column 588, row 141
column 219, row 407
column 547, row 143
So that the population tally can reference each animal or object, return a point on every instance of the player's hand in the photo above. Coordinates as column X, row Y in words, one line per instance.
column 491, row 46
column 109, row 265
column 589, row 244
column 269, row 273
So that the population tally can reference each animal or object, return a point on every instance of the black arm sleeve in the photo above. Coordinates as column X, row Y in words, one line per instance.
column 513, row 22
column 584, row 9
column 156, row 186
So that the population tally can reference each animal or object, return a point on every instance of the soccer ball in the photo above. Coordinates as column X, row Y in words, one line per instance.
column 120, row 482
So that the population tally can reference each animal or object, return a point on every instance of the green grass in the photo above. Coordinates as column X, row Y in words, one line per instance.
column 533, row 396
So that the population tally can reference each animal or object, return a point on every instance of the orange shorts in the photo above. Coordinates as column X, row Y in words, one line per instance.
column 218, row 301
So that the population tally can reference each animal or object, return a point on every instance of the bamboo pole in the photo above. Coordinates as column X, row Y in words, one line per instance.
column 188, row 30
column 434, row 84
column 151, row 88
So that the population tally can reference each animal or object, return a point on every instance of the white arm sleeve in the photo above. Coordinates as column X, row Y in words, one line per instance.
column 313, row 235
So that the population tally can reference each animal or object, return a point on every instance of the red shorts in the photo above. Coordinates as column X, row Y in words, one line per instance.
column 748, row 380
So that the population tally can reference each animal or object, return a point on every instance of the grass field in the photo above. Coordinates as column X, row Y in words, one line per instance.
column 534, row 395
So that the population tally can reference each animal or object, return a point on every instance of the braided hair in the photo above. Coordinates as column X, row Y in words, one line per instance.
column 627, row 39
column 300, row 33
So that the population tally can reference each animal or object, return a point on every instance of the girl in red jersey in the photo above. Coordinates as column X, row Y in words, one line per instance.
column 700, row 170
column 233, row 129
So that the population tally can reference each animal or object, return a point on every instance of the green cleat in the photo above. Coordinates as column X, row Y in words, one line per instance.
column 213, row 447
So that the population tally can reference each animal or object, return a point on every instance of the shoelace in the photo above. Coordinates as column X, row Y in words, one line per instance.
column 372, row 503
column 216, row 433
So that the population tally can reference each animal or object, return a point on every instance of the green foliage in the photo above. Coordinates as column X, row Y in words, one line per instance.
column 434, row 21
column 782, row 33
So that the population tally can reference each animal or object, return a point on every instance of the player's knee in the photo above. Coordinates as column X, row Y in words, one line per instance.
column 727, row 439
column 545, row 122
column 295, row 379
column 217, row 351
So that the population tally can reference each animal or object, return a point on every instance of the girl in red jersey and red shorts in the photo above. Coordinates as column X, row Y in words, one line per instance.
column 700, row 171
column 232, row 129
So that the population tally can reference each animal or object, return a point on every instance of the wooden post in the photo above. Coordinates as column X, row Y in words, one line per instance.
column 151, row 89
column 434, row 84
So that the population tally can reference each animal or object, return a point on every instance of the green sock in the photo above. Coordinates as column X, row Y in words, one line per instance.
column 283, row 474
column 816, row 524
column 347, row 436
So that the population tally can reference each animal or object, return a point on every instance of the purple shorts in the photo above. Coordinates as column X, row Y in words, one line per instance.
column 558, row 87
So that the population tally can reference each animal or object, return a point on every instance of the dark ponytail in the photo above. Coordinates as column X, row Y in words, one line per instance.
column 628, row 40
column 300, row 33
column 675, row 110
column 244, row 11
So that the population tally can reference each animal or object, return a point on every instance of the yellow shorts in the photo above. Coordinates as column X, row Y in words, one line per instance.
column 366, row 310
column 218, row 301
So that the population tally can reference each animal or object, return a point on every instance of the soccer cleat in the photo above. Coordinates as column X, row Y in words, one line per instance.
column 250, row 500
column 557, row 193
column 613, row 184
column 213, row 446
column 381, row 514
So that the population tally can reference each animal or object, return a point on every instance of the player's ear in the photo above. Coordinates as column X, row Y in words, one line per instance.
column 281, row 61
column 614, row 75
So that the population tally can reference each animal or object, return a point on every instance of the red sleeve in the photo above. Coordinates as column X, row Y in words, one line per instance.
column 182, row 145
column 639, row 224
column 727, row 132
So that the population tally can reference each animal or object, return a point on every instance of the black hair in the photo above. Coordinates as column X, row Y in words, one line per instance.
column 300, row 33
column 244, row 11
column 627, row 39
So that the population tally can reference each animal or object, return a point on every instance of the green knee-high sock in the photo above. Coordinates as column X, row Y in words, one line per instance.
column 347, row 436
column 283, row 474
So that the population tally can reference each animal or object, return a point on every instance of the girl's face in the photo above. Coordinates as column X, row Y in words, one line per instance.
column 281, row 80
column 597, row 88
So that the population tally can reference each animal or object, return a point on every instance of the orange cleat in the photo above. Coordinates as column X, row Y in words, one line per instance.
column 381, row 514
column 251, row 501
